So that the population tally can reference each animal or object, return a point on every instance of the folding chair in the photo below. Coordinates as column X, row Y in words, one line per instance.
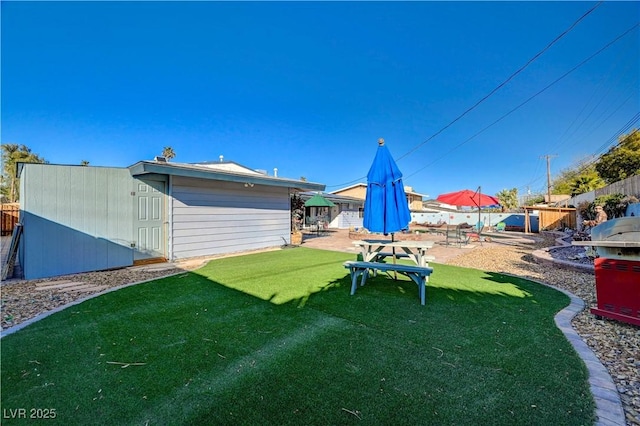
column 454, row 236
column 476, row 235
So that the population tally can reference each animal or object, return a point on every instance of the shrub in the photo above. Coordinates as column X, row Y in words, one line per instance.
column 615, row 205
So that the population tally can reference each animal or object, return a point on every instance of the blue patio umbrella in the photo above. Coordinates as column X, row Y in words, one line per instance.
column 385, row 207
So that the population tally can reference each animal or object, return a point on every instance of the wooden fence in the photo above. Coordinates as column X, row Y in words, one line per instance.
column 9, row 214
column 551, row 218
column 558, row 219
column 628, row 186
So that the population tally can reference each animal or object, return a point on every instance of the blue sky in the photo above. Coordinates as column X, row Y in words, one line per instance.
column 309, row 87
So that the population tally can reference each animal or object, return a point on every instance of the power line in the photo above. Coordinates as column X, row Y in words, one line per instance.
column 604, row 116
column 594, row 158
column 522, row 68
column 536, row 56
column 528, row 99
column 609, row 143
column 614, row 139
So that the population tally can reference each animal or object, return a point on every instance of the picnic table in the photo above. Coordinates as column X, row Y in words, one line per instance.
column 374, row 252
column 378, row 250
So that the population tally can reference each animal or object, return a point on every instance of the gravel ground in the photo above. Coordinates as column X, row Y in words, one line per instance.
column 616, row 344
column 22, row 301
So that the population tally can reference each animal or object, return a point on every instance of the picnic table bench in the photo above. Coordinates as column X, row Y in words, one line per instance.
column 381, row 256
column 418, row 274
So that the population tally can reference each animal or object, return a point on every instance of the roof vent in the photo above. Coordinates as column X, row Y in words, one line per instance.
column 160, row 159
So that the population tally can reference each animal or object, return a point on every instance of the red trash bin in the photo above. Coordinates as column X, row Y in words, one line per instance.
column 617, row 268
column 618, row 289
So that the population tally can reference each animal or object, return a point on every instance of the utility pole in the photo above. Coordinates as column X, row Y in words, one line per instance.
column 548, row 157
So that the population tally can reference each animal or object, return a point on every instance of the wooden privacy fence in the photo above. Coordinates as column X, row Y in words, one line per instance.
column 550, row 218
column 628, row 186
column 10, row 213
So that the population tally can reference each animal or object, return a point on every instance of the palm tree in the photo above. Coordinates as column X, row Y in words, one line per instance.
column 585, row 183
column 508, row 198
column 168, row 153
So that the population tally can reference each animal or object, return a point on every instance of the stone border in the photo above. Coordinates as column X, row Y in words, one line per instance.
column 609, row 410
column 543, row 256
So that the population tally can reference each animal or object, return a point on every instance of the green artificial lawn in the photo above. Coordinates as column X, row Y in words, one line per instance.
column 275, row 338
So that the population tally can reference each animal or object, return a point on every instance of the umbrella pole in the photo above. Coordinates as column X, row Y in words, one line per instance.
column 393, row 252
column 479, row 202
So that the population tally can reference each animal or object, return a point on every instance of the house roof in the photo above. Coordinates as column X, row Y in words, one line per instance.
column 349, row 187
column 436, row 206
column 228, row 166
column 407, row 189
column 224, row 171
column 412, row 192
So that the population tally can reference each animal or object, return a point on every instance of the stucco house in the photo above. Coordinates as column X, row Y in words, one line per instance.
column 359, row 190
column 84, row 218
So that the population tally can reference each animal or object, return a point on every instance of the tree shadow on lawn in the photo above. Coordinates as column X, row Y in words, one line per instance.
column 201, row 343
column 296, row 283
column 323, row 282
column 451, row 284
column 486, row 295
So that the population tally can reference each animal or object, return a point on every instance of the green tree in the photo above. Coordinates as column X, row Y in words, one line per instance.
column 168, row 153
column 536, row 199
column 562, row 183
column 585, row 182
column 578, row 179
column 508, row 198
column 11, row 155
column 621, row 161
column 84, row 163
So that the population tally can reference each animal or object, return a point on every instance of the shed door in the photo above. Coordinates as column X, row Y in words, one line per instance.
column 150, row 223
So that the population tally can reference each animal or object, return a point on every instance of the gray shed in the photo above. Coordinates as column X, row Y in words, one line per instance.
column 83, row 218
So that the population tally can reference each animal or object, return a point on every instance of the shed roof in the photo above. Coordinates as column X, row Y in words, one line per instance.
column 228, row 171
column 207, row 171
